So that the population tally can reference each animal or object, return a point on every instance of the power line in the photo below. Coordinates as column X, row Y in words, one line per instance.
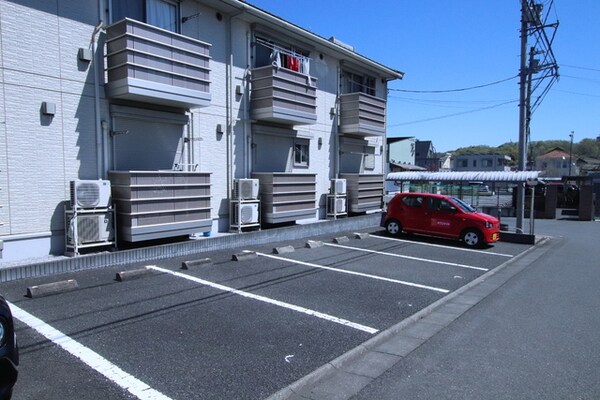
column 576, row 67
column 452, row 115
column 454, row 90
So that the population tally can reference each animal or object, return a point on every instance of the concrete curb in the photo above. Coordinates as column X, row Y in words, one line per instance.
column 319, row 382
column 51, row 288
column 283, row 250
column 341, row 239
column 131, row 274
column 313, row 244
column 196, row 263
column 247, row 255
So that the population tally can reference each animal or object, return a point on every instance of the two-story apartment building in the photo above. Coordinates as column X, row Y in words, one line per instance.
column 172, row 102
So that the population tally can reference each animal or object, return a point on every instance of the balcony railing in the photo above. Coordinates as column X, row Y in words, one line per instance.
column 152, row 65
column 362, row 114
column 284, row 96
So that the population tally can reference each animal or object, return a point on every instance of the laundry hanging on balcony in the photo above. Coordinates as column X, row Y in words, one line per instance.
column 289, row 59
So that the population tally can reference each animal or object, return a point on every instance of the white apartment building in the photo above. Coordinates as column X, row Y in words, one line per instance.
column 172, row 102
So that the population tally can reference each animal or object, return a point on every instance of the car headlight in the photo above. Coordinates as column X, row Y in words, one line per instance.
column 489, row 225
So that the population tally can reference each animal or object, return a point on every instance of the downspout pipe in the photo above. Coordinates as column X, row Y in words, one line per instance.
column 229, row 99
column 97, row 65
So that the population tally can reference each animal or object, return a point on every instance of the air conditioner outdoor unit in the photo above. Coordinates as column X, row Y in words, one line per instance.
column 338, row 186
column 337, row 205
column 90, row 194
column 92, row 228
column 245, row 214
column 245, row 189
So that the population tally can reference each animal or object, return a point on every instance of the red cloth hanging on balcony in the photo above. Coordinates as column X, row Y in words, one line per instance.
column 294, row 64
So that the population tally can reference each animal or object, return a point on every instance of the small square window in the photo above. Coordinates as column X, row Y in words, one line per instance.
column 301, row 151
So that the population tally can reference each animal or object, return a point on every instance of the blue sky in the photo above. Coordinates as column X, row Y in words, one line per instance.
column 446, row 45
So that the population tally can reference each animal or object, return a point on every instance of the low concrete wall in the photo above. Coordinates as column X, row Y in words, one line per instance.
column 188, row 247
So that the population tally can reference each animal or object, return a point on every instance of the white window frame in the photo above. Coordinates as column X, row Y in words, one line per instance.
column 301, row 152
column 144, row 4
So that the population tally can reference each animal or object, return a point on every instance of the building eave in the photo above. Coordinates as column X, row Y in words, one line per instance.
column 255, row 14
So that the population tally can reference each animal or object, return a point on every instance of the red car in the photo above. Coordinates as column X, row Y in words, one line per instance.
column 438, row 215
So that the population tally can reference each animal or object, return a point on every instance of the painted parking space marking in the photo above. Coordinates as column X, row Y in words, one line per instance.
column 343, row 271
column 264, row 299
column 94, row 360
column 383, row 253
column 442, row 246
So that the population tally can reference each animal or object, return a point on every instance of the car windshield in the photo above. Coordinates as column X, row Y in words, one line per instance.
column 463, row 206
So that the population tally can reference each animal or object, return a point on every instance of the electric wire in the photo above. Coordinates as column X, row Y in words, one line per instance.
column 455, row 90
column 451, row 115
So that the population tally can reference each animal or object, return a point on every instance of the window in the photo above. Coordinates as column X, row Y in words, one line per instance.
column 474, row 163
column 463, row 163
column 439, row 205
column 301, row 147
column 160, row 13
column 487, row 162
column 354, row 83
column 413, row 201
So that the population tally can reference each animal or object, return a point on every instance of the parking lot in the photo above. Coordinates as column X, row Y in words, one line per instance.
column 242, row 323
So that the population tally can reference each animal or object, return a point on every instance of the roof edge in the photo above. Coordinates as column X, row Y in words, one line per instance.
column 251, row 9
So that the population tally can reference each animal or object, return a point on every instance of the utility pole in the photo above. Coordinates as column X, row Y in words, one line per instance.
column 571, row 152
column 532, row 25
column 523, row 101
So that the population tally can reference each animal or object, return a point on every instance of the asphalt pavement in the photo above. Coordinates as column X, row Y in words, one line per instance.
column 529, row 331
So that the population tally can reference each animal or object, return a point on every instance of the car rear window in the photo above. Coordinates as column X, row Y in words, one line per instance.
column 413, row 201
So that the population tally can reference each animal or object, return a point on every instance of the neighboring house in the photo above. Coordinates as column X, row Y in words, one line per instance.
column 555, row 163
column 445, row 162
column 481, row 162
column 425, row 155
column 219, row 89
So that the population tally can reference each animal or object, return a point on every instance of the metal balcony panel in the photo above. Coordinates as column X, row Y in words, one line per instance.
column 362, row 115
column 152, row 65
column 283, row 96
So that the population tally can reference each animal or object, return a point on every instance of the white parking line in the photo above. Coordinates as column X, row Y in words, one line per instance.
column 94, row 360
column 383, row 253
column 344, row 271
column 303, row 310
column 442, row 246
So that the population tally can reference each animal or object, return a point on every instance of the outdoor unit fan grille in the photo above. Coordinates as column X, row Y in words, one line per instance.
column 246, row 189
column 88, row 195
column 88, row 229
column 246, row 214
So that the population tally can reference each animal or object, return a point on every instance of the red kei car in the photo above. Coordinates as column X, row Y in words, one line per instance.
column 439, row 215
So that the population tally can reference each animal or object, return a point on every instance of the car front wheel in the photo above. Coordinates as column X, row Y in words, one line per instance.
column 472, row 238
column 393, row 227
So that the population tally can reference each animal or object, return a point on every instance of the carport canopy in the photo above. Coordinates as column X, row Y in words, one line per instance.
column 464, row 176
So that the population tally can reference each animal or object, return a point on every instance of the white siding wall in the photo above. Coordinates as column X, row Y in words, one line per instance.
column 40, row 154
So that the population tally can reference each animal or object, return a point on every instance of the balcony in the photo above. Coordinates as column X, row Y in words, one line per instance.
column 362, row 115
column 283, row 96
column 152, row 65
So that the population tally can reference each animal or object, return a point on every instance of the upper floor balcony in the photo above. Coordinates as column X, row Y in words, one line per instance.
column 152, row 65
column 283, row 95
column 362, row 114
